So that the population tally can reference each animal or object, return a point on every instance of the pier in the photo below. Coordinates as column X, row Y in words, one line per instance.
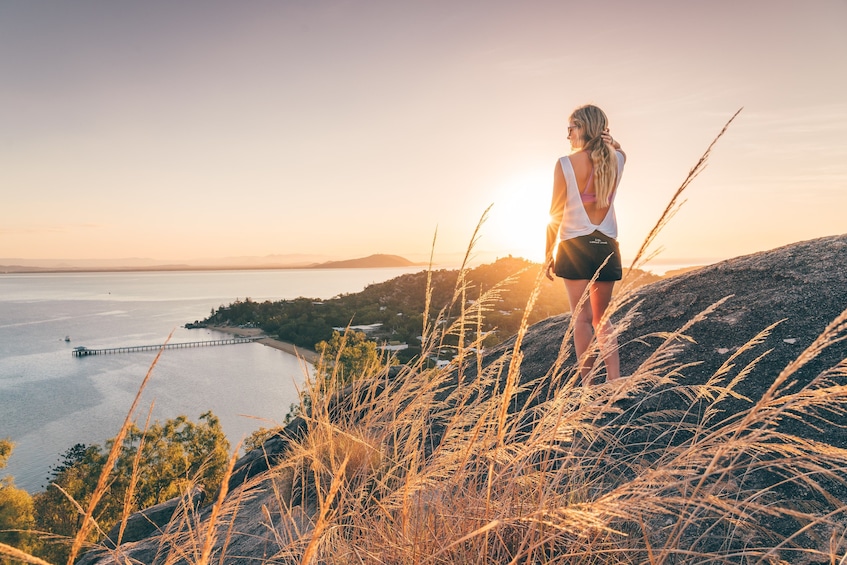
column 84, row 351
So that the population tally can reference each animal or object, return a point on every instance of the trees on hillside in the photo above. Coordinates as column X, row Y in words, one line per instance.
column 157, row 464
column 76, row 475
column 174, row 456
column 346, row 357
column 16, row 510
column 399, row 304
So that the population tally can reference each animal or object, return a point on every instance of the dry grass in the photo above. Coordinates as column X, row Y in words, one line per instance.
column 472, row 464
column 457, row 482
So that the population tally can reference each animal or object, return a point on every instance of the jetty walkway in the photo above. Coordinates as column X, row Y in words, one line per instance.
column 84, row 351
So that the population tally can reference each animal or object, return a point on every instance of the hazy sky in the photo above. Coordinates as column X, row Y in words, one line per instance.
column 179, row 130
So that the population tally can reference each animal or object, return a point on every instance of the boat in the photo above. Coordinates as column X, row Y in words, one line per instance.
column 67, row 338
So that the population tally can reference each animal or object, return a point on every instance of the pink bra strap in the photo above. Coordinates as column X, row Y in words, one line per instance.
column 586, row 196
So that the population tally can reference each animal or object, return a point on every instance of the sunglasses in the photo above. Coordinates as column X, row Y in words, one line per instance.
column 571, row 128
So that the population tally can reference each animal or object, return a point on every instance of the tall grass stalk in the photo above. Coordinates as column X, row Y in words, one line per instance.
column 103, row 482
column 133, row 479
column 22, row 556
column 211, row 525
column 674, row 204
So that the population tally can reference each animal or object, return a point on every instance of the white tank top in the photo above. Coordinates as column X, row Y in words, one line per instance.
column 575, row 220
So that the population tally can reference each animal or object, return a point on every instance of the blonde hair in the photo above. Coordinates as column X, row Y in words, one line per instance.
column 592, row 121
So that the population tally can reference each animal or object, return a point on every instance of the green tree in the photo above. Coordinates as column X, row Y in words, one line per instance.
column 258, row 438
column 16, row 509
column 76, row 474
column 6, row 447
column 173, row 457
column 346, row 357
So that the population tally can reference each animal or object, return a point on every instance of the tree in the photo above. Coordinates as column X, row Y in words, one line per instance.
column 172, row 458
column 347, row 357
column 258, row 438
column 76, row 474
column 6, row 447
column 16, row 509
column 175, row 456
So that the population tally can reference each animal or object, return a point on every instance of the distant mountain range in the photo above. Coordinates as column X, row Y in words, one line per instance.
column 231, row 263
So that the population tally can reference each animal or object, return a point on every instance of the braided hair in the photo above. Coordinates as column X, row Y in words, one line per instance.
column 592, row 122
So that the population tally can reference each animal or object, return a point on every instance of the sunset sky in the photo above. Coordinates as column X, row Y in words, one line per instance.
column 205, row 129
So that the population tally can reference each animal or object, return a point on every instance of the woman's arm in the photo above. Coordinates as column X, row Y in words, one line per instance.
column 607, row 138
column 557, row 210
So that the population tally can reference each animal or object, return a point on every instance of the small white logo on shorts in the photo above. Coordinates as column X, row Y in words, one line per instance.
column 598, row 241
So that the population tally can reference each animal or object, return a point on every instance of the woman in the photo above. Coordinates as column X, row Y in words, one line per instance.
column 583, row 222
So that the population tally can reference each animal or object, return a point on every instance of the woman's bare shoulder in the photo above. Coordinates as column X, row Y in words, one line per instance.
column 581, row 162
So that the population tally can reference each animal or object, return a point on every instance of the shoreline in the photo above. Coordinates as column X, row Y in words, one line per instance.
column 307, row 355
column 362, row 263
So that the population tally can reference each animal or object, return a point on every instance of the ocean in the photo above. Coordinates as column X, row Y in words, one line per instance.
column 51, row 400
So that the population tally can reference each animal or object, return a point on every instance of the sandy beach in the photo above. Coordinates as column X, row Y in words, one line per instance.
column 306, row 354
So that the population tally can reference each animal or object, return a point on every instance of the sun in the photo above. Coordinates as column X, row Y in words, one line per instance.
column 517, row 222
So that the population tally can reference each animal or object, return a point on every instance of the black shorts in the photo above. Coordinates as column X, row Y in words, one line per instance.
column 579, row 258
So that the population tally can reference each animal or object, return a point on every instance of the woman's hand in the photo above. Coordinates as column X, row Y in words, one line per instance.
column 548, row 268
column 607, row 138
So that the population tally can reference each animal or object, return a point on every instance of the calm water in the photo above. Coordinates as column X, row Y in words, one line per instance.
column 50, row 400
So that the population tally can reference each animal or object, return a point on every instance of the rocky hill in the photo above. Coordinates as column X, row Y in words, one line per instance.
column 369, row 262
column 792, row 294
column 800, row 288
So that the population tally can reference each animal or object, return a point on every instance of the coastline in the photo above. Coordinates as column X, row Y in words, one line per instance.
column 307, row 355
column 376, row 261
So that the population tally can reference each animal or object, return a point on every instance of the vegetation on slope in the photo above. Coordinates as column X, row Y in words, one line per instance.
column 16, row 510
column 398, row 305
column 436, row 466
column 156, row 464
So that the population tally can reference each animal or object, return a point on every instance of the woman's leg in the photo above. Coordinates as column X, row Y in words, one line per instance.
column 583, row 330
column 600, row 297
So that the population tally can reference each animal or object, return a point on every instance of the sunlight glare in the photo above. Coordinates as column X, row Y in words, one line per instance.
column 518, row 219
